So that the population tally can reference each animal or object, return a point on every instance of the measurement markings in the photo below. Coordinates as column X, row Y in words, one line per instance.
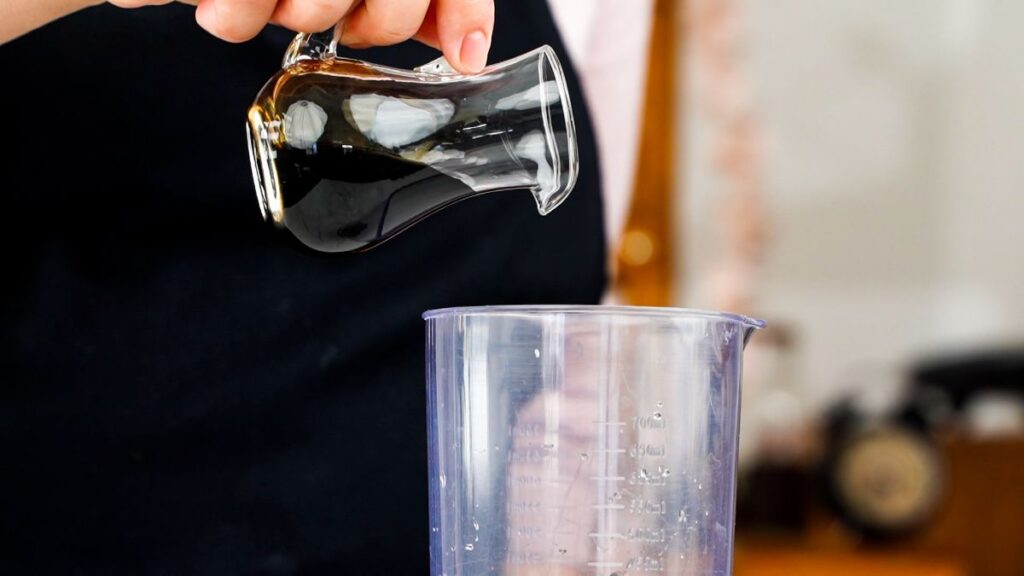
column 607, row 535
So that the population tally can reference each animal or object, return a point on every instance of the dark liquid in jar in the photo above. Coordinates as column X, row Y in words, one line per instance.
column 346, row 193
column 350, row 155
column 340, row 200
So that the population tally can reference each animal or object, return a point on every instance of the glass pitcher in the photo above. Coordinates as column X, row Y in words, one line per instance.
column 345, row 154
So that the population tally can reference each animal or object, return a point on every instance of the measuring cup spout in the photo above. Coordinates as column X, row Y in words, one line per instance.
column 751, row 325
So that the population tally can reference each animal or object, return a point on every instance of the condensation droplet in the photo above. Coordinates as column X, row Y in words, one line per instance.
column 562, row 550
column 660, row 404
column 434, row 529
column 665, row 473
column 584, row 456
column 549, row 446
column 706, row 513
column 657, row 415
column 643, row 473
column 475, row 525
column 682, row 516
column 444, row 481
column 469, row 547
column 700, row 486
column 536, row 353
column 616, row 496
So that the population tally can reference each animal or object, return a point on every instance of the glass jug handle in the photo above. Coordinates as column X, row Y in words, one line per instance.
column 318, row 46
column 437, row 67
column 324, row 46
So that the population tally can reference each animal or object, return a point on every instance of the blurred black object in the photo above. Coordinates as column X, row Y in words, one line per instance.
column 884, row 479
column 883, row 473
column 772, row 497
column 960, row 379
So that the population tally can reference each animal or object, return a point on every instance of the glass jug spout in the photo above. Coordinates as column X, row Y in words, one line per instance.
column 346, row 154
column 535, row 126
column 552, row 149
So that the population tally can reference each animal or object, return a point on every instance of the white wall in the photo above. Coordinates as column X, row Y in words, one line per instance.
column 894, row 176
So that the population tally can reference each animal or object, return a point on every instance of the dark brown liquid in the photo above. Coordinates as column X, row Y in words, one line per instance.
column 348, row 192
column 340, row 199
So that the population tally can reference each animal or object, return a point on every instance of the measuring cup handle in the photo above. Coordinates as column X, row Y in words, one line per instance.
column 318, row 46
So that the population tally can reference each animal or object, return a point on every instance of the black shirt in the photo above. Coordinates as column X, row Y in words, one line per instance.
column 182, row 391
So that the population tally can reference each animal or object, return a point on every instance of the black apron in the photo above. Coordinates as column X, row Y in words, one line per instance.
column 184, row 393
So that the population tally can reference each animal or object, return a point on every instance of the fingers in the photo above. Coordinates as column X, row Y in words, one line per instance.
column 460, row 28
column 427, row 33
column 384, row 22
column 464, row 29
column 311, row 15
column 234, row 20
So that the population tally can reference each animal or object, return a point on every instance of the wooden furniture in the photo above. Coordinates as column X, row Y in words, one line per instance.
column 982, row 520
column 979, row 530
column 766, row 560
column 644, row 263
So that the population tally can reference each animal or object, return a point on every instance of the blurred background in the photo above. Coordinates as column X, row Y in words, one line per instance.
column 851, row 172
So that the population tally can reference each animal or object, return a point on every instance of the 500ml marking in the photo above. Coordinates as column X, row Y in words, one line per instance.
column 643, row 506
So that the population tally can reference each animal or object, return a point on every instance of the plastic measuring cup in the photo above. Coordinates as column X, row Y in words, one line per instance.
column 583, row 440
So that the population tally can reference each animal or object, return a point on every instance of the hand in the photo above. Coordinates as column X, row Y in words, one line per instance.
column 459, row 28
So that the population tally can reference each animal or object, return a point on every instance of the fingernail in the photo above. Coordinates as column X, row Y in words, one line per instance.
column 473, row 53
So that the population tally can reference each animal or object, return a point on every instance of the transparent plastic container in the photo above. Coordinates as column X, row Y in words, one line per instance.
column 583, row 440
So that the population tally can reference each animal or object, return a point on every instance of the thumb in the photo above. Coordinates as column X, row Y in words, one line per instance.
column 464, row 29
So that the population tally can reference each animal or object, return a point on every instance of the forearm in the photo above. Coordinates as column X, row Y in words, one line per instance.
column 18, row 17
